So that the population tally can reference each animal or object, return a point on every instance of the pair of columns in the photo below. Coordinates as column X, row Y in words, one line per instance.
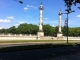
column 40, row 32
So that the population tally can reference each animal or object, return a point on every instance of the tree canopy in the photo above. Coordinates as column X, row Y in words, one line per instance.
column 69, row 3
column 33, row 29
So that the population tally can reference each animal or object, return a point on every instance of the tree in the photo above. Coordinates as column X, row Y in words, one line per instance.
column 69, row 3
column 12, row 30
column 21, row 2
column 46, row 29
column 22, row 28
column 2, row 30
column 56, row 31
column 52, row 31
column 33, row 29
column 64, row 30
column 27, row 29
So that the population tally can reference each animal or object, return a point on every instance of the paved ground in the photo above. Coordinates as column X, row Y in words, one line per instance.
column 28, row 43
column 69, row 53
column 31, row 43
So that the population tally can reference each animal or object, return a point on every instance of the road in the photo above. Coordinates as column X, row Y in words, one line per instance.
column 26, row 43
column 62, row 53
column 32, row 43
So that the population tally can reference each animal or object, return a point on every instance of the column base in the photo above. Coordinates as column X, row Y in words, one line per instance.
column 59, row 36
column 40, row 34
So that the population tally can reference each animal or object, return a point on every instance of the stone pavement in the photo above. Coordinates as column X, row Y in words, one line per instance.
column 61, row 53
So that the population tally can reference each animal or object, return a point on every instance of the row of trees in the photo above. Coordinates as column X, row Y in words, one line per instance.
column 33, row 29
column 72, row 31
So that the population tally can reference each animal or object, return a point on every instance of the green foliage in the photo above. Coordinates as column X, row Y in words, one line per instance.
column 33, row 29
column 27, row 29
column 49, row 30
column 64, row 29
column 12, row 30
column 69, row 3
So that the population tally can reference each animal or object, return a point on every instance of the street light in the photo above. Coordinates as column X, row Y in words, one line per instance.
column 68, row 12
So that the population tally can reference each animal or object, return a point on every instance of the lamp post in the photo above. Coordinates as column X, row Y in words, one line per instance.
column 68, row 12
column 67, row 27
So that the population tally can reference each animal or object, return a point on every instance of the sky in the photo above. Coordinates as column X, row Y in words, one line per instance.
column 12, row 13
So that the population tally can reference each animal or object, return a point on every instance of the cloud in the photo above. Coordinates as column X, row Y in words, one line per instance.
column 1, row 28
column 53, row 25
column 46, row 18
column 4, row 21
column 10, row 17
column 78, row 16
column 16, row 25
column 20, row 22
column 29, row 6
column 25, row 8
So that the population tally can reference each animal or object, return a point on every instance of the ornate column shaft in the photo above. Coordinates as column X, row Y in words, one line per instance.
column 59, row 34
column 40, row 18
column 40, row 32
column 60, row 21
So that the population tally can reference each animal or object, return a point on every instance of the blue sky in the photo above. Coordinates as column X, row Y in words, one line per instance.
column 13, row 13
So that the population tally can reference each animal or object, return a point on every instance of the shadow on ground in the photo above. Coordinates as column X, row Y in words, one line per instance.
column 60, row 53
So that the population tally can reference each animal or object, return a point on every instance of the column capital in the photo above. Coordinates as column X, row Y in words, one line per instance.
column 60, row 13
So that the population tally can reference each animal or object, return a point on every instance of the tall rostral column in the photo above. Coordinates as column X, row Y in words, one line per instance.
column 40, row 32
column 59, row 34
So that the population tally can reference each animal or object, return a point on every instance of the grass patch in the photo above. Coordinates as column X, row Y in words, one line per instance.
column 18, row 41
column 23, row 41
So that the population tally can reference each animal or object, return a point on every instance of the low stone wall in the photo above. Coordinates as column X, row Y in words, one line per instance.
column 2, row 35
column 72, row 38
column 31, row 37
column 18, row 38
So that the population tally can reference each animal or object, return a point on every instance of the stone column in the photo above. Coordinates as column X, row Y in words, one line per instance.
column 40, row 32
column 40, row 18
column 60, row 21
column 59, row 34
